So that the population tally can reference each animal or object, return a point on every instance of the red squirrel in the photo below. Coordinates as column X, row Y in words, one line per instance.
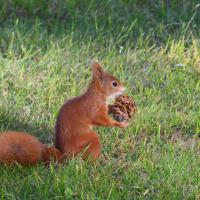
column 76, row 118
column 19, row 147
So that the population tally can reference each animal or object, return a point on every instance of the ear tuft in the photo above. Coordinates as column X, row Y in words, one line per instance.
column 97, row 70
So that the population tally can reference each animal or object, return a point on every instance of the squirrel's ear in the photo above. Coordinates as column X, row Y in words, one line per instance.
column 97, row 71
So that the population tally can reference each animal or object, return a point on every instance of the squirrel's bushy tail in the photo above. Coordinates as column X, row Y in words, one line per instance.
column 25, row 149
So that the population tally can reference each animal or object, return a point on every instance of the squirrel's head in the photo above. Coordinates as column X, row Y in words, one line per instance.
column 107, row 83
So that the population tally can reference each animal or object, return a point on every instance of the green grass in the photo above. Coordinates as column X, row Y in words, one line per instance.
column 45, row 51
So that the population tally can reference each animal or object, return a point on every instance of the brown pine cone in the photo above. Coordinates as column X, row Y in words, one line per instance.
column 123, row 108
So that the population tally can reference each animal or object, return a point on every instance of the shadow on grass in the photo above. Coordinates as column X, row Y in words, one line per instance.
column 12, row 121
column 118, row 20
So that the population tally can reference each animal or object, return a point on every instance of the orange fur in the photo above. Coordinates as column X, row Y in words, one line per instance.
column 19, row 147
column 78, row 115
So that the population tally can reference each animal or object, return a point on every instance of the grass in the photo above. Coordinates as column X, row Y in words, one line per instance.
column 45, row 51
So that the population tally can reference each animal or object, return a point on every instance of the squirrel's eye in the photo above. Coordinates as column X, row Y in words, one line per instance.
column 114, row 84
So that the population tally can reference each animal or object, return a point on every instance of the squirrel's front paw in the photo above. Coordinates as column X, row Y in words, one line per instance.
column 123, row 124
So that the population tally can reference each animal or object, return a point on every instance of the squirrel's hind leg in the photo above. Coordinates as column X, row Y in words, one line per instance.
column 88, row 145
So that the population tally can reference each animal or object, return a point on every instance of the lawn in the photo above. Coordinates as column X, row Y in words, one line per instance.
column 153, row 47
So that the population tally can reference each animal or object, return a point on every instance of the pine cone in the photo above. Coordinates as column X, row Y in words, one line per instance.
column 123, row 108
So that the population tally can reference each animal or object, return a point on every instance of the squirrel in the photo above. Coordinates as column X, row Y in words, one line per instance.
column 74, row 132
column 25, row 149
